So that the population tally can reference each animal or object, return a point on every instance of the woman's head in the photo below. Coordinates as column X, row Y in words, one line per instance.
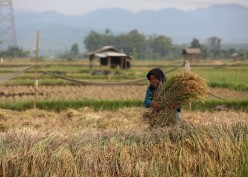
column 156, row 76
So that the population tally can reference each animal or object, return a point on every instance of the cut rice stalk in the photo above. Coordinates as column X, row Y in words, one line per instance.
column 180, row 89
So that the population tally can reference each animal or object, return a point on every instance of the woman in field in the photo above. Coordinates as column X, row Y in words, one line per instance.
column 156, row 78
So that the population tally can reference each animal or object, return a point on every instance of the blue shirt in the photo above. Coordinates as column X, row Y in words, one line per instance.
column 148, row 97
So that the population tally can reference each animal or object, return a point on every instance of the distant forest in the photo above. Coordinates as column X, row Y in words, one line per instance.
column 140, row 46
column 156, row 46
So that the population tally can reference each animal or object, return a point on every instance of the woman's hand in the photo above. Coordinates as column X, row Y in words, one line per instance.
column 155, row 105
column 173, row 106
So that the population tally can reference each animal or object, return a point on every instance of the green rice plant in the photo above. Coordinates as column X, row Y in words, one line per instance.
column 210, row 105
column 30, row 82
column 226, row 76
column 234, row 86
column 233, row 77
column 95, row 104
column 225, row 105
column 59, row 105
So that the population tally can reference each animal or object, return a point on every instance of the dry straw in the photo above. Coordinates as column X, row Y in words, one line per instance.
column 181, row 88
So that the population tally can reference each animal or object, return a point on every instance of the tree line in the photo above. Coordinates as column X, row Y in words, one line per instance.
column 137, row 45
column 133, row 43
column 14, row 52
column 154, row 46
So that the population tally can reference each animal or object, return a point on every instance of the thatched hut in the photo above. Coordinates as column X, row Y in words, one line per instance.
column 191, row 54
column 109, row 56
column 235, row 56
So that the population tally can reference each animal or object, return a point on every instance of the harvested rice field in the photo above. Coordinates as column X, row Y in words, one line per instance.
column 72, row 121
column 85, row 142
column 99, row 92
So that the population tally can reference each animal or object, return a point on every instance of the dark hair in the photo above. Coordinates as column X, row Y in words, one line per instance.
column 158, row 73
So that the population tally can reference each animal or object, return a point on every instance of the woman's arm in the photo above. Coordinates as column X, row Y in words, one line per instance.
column 148, row 98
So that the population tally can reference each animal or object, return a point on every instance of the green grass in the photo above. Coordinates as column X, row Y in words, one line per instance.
column 59, row 105
column 211, row 105
column 232, row 77
column 225, row 76
column 112, row 105
column 233, row 86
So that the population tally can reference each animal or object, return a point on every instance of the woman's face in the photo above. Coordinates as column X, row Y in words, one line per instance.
column 154, row 81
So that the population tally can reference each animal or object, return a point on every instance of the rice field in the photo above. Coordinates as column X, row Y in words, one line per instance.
column 117, row 142
column 68, row 92
column 84, row 142
column 74, row 120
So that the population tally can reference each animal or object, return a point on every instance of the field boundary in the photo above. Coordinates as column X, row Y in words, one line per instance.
column 60, row 105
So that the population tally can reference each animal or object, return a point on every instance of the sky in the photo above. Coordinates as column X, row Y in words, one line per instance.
column 80, row 7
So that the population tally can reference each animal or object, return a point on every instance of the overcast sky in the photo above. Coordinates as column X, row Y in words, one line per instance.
column 79, row 7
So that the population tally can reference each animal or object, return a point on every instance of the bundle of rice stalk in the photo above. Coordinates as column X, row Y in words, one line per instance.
column 180, row 89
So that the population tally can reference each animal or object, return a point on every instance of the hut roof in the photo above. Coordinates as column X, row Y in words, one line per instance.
column 235, row 54
column 110, row 54
column 107, row 51
column 192, row 51
column 104, row 49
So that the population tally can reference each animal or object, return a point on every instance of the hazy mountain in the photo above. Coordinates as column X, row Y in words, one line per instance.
column 58, row 32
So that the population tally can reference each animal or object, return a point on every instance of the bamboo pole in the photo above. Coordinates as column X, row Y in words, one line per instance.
column 36, row 65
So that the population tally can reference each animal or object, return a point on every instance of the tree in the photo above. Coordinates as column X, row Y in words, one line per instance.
column 195, row 44
column 93, row 41
column 72, row 54
column 75, row 49
column 133, row 43
column 13, row 52
column 161, row 46
column 244, row 53
column 108, row 32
